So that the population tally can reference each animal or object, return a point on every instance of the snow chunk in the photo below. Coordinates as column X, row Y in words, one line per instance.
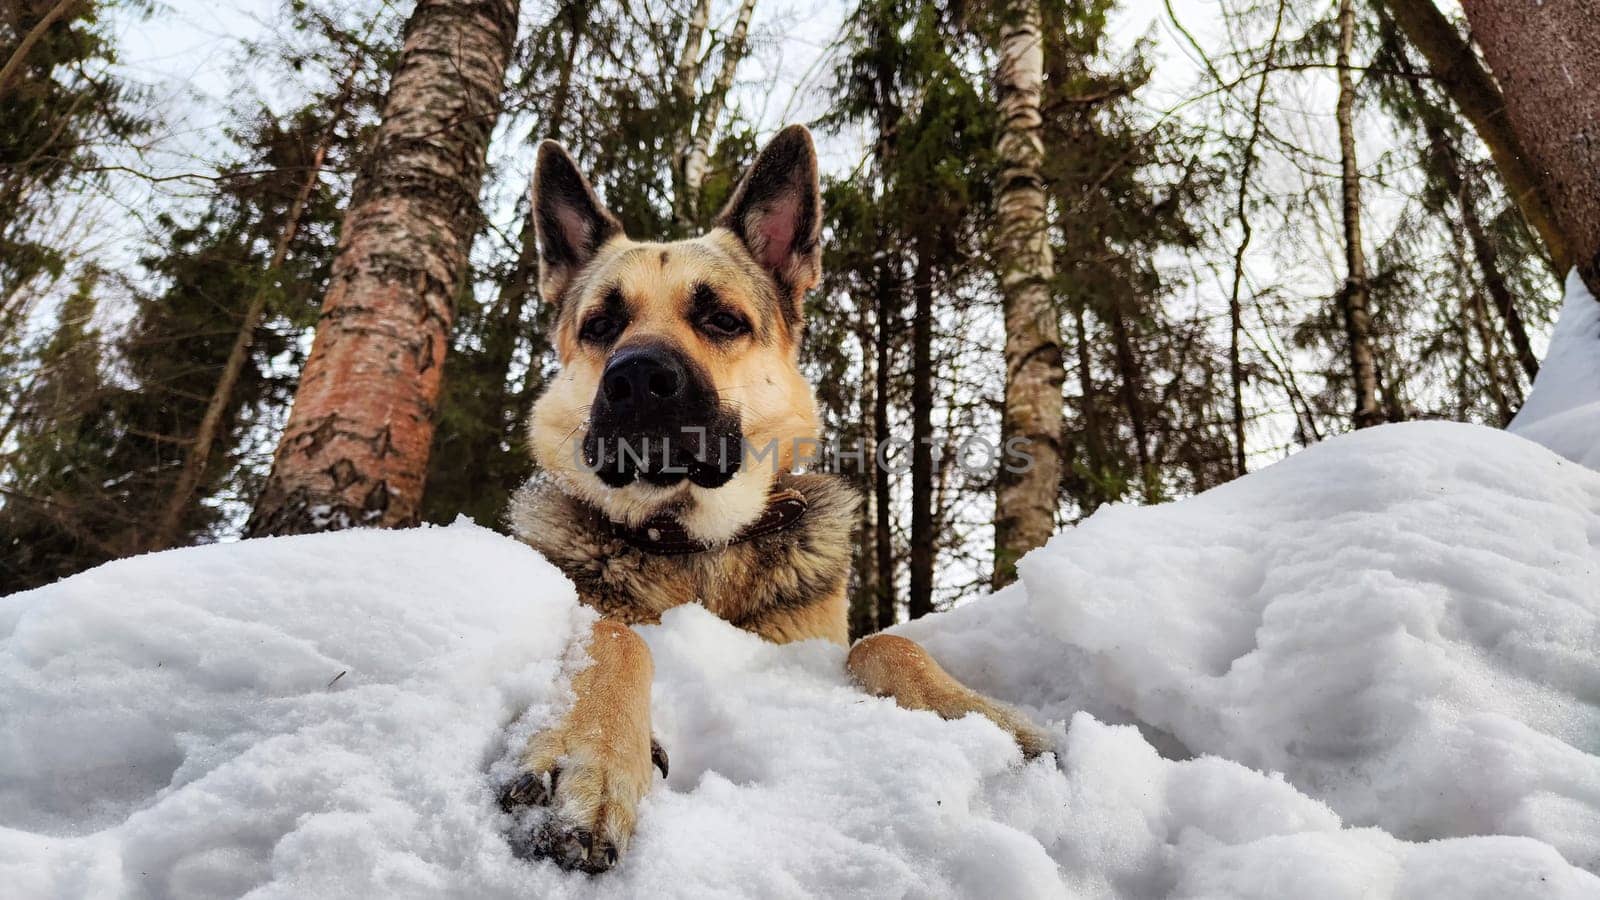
column 1403, row 621
column 312, row 711
column 1563, row 412
column 1142, row 826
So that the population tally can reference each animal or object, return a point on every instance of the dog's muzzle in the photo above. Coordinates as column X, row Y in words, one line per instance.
column 656, row 418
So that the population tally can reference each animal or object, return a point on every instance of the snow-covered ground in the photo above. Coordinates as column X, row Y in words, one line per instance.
column 1368, row 671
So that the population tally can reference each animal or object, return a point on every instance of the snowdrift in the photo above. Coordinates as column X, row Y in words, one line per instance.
column 1563, row 412
column 1367, row 671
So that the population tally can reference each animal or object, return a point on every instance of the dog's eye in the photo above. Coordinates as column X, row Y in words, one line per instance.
column 723, row 324
column 599, row 329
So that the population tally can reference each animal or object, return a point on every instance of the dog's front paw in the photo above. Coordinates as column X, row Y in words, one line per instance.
column 593, row 806
column 591, row 771
column 591, row 789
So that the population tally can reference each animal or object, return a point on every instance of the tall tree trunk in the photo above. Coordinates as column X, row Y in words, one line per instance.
column 684, row 84
column 888, row 306
column 1355, row 297
column 694, row 167
column 886, row 317
column 1475, row 93
column 864, row 604
column 919, row 601
column 1546, row 57
column 1025, row 500
column 688, row 68
column 355, row 451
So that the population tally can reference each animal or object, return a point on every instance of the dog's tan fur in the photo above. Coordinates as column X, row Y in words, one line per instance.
column 595, row 766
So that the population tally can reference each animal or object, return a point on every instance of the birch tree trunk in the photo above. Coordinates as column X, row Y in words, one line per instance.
column 1546, row 57
column 685, row 84
column 1025, row 499
column 694, row 167
column 355, row 451
column 1355, row 297
column 688, row 69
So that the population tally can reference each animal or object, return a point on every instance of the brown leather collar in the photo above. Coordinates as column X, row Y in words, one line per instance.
column 664, row 536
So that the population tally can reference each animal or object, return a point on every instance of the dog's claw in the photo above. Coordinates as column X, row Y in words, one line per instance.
column 658, row 755
column 528, row 789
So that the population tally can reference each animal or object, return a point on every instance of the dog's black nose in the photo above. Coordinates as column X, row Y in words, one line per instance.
column 637, row 377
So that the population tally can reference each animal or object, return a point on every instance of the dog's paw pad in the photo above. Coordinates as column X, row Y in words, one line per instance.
column 529, row 789
column 574, row 849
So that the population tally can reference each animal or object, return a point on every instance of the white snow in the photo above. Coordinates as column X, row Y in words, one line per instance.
column 1369, row 671
column 1563, row 412
column 1404, row 622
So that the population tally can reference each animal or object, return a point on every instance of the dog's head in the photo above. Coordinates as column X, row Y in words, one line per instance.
column 680, row 389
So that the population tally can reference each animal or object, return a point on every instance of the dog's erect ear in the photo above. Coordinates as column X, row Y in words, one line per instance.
column 571, row 221
column 777, row 212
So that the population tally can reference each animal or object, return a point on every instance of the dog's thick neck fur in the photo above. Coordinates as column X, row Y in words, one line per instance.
column 785, row 586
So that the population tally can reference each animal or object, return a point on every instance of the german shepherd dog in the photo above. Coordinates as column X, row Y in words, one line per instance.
column 679, row 367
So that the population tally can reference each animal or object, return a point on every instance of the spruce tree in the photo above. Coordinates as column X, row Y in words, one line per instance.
column 59, row 109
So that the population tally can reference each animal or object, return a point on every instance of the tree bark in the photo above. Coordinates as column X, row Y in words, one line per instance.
column 1355, row 297
column 1025, row 500
column 694, row 167
column 355, row 451
column 919, row 600
column 688, row 68
column 685, row 80
column 1475, row 93
column 1546, row 57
